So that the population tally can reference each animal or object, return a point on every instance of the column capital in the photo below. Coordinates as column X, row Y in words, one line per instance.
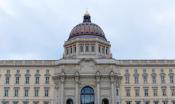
column 98, row 76
column 77, row 76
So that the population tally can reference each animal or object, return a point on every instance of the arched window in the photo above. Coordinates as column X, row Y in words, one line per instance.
column 87, row 95
column 105, row 101
column 69, row 101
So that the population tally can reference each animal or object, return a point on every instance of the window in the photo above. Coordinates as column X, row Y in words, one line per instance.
column 165, row 102
column 137, row 102
column 156, row 102
column 173, row 102
column 103, row 50
column 36, row 91
column 75, row 49
column 146, row 102
column 6, row 91
column 146, row 91
column 71, row 50
column 128, row 92
column 137, row 91
column 27, row 80
column 37, row 80
column 15, row 102
column 128, row 102
column 171, row 79
column 87, row 48
column 25, row 102
column 87, row 95
column 7, row 80
column 99, row 49
column 47, row 80
column 145, row 79
column 173, row 91
column 93, row 48
column 16, row 91
column 106, row 50
column 81, row 48
column 162, row 78
column 17, row 80
column 154, row 91
column 154, row 79
column 163, row 91
column 136, row 79
column 46, row 92
column 127, row 79
column 26, row 92
column 117, row 93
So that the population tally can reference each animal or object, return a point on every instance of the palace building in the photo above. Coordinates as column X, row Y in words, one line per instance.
column 87, row 74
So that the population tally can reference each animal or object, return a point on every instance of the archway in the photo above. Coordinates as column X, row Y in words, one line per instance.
column 105, row 101
column 69, row 101
column 87, row 95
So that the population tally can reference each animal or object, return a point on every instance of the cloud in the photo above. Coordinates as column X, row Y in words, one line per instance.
column 136, row 29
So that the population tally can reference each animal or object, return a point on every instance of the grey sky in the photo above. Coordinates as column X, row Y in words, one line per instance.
column 37, row 29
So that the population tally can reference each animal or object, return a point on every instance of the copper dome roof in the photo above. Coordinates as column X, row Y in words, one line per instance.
column 87, row 29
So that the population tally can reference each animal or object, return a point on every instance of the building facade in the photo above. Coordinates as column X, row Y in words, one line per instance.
column 87, row 74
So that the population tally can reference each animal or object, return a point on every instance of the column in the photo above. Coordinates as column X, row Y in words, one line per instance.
column 98, row 86
column 112, row 87
column 77, row 88
column 62, row 88
column 56, row 90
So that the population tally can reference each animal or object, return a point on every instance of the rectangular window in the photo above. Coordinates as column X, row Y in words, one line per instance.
column 171, row 79
column 17, row 80
column 165, row 102
column 155, row 91
column 93, row 48
column 162, row 79
column 6, row 92
column 127, row 79
column 156, row 102
column 117, row 93
column 103, row 50
column 26, row 92
column 16, row 92
column 75, row 49
column 128, row 92
column 106, row 50
column 47, row 80
column 128, row 102
column 36, row 92
column 15, row 102
column 137, row 102
column 87, row 48
column 27, row 80
column 81, row 48
column 154, row 79
column 7, row 80
column 36, row 80
column 145, row 79
column 163, row 91
column 137, row 91
column 146, row 92
column 46, row 92
column 173, row 91
column 146, row 102
column 136, row 79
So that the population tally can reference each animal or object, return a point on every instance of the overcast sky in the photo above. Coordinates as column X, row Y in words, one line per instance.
column 37, row 29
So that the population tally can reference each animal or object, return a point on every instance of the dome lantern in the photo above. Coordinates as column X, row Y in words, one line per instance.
column 87, row 17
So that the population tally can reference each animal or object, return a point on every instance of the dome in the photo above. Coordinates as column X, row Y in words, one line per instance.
column 87, row 29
